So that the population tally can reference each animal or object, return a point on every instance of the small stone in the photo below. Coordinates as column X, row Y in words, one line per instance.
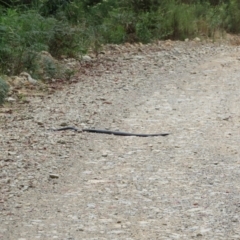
column 10, row 99
column 226, row 118
column 53, row 175
column 235, row 219
column 12, row 153
column 91, row 205
column 80, row 229
column 104, row 154
column 25, row 188
column 196, row 39
column 29, row 78
column 86, row 58
column 40, row 123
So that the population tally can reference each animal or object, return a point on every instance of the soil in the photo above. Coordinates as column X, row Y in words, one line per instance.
column 79, row 185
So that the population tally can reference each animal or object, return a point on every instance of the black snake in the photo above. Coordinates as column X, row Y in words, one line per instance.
column 111, row 132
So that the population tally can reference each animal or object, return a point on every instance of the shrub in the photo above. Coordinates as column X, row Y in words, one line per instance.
column 68, row 40
column 24, row 34
column 232, row 16
column 118, row 26
column 177, row 21
column 21, row 37
column 148, row 27
column 53, row 7
column 3, row 90
column 70, row 27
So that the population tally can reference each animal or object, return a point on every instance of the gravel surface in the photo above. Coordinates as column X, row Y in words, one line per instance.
column 70, row 186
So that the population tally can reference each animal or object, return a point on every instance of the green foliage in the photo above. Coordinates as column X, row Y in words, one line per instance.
column 70, row 27
column 53, row 7
column 178, row 21
column 21, row 37
column 24, row 35
column 139, row 6
column 147, row 27
column 216, row 19
column 232, row 16
column 3, row 90
column 75, row 12
column 118, row 26
column 13, row 3
column 68, row 40
column 138, row 24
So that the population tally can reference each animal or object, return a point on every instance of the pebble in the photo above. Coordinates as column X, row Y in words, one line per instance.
column 86, row 58
column 53, row 175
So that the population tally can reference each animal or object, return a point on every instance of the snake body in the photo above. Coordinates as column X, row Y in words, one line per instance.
column 111, row 132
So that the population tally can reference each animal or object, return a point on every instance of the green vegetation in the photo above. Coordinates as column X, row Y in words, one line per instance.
column 3, row 90
column 72, row 27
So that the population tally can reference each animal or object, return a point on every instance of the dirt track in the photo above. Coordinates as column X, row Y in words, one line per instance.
column 67, row 185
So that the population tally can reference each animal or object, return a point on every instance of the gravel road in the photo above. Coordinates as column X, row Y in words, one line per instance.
column 73, row 186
